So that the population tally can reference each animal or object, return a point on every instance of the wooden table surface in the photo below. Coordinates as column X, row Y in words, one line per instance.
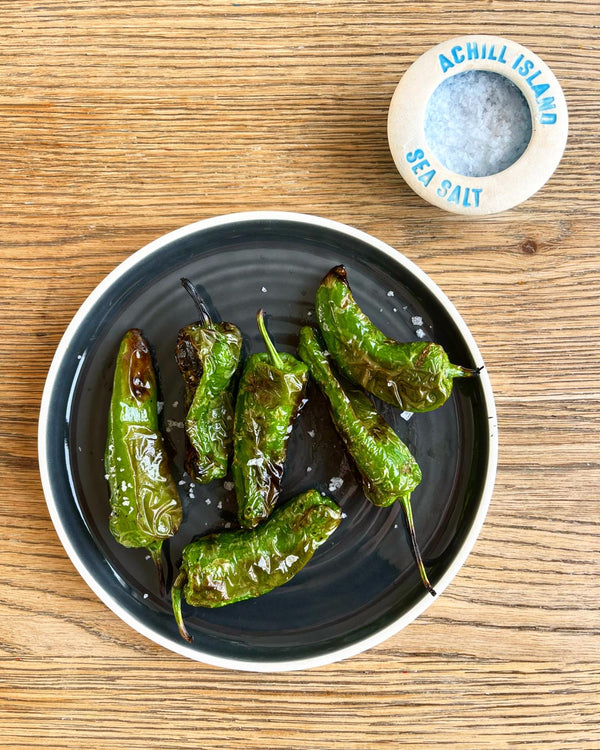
column 122, row 121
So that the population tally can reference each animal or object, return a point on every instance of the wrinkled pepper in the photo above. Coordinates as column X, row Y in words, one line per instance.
column 208, row 356
column 387, row 468
column 270, row 395
column 145, row 505
column 230, row 566
column 415, row 376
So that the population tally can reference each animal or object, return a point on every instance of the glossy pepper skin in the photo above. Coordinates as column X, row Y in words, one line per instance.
column 388, row 470
column 415, row 376
column 208, row 356
column 231, row 566
column 270, row 395
column 145, row 505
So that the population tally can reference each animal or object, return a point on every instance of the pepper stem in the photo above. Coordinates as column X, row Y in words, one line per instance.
column 155, row 551
column 408, row 517
column 273, row 353
column 205, row 319
column 457, row 371
column 176, row 602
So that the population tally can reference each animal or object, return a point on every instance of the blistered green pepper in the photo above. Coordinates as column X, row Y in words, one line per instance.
column 270, row 395
column 231, row 566
column 388, row 470
column 208, row 355
column 415, row 376
column 145, row 506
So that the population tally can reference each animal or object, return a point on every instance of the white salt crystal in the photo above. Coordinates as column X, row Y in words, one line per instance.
column 390, row 293
column 406, row 415
column 335, row 483
column 477, row 123
column 228, row 486
column 263, row 289
column 420, row 333
column 311, row 433
column 309, row 468
column 417, row 320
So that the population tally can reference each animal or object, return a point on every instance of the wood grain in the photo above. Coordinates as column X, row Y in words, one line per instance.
column 121, row 121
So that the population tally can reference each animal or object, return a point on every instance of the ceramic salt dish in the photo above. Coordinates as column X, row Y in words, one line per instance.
column 477, row 125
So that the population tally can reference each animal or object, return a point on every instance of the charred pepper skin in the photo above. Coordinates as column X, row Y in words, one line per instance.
column 231, row 566
column 208, row 357
column 145, row 505
column 388, row 470
column 415, row 376
column 270, row 395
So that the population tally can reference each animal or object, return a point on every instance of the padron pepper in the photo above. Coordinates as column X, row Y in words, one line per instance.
column 415, row 376
column 208, row 356
column 388, row 470
column 230, row 566
column 145, row 505
column 270, row 395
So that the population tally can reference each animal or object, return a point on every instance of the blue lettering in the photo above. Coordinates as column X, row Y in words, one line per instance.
column 526, row 68
column 472, row 51
column 540, row 89
column 548, row 118
column 454, row 196
column 445, row 63
column 457, row 55
column 420, row 166
column 427, row 177
column 491, row 55
column 442, row 191
column 501, row 58
column 517, row 62
column 466, row 203
column 547, row 103
column 414, row 155
column 533, row 76
column 476, row 193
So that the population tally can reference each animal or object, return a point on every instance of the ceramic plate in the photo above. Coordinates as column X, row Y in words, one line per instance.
column 362, row 585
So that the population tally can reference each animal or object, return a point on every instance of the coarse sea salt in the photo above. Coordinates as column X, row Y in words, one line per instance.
column 335, row 483
column 477, row 123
